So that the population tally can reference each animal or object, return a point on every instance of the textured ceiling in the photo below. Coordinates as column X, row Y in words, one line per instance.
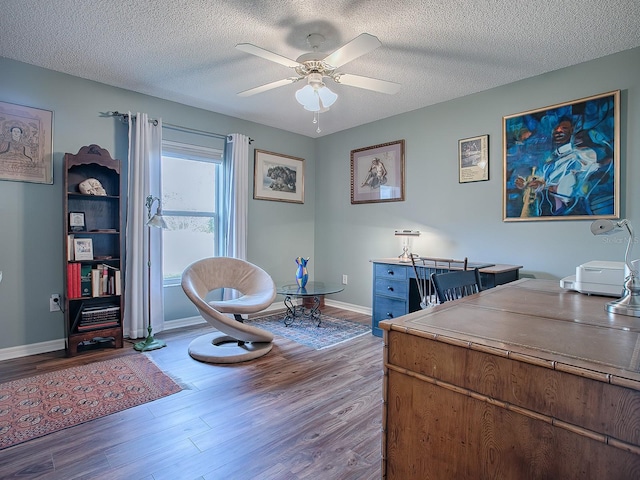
column 184, row 50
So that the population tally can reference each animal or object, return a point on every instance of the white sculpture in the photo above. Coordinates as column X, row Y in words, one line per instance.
column 92, row 186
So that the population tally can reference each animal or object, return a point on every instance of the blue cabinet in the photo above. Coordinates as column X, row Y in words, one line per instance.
column 395, row 291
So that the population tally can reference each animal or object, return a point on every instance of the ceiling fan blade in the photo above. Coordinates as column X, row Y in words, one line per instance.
column 267, row 55
column 368, row 83
column 268, row 86
column 363, row 43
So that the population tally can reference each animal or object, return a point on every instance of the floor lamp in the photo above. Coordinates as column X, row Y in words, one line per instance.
column 629, row 303
column 157, row 221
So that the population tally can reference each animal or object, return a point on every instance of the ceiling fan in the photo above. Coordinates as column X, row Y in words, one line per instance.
column 316, row 66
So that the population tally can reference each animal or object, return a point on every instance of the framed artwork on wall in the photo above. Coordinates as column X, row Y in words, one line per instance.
column 377, row 173
column 473, row 159
column 26, row 144
column 278, row 177
column 562, row 162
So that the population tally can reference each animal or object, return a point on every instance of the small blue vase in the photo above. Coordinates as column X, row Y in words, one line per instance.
column 302, row 275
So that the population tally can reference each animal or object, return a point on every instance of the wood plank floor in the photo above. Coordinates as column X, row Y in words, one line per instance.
column 296, row 413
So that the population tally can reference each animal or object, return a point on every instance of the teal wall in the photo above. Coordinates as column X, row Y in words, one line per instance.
column 456, row 220
column 31, row 237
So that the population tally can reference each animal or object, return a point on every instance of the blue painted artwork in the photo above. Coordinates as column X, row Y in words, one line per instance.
column 562, row 162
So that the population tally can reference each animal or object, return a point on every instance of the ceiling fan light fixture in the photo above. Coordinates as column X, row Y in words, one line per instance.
column 315, row 96
column 308, row 98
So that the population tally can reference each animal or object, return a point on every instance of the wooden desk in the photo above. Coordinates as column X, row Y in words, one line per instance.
column 395, row 292
column 523, row 381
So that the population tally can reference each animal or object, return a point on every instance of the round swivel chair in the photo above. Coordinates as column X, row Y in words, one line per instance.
column 234, row 341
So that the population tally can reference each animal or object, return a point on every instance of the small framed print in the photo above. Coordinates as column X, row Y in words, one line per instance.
column 76, row 221
column 278, row 177
column 83, row 248
column 473, row 159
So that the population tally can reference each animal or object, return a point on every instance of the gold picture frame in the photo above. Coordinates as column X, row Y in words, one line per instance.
column 278, row 177
column 26, row 144
column 377, row 173
column 562, row 162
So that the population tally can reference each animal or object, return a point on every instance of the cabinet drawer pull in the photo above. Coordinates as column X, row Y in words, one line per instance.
column 389, row 315
column 390, row 288
column 390, row 272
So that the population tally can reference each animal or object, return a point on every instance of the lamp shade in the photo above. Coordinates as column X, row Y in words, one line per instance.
column 315, row 99
column 157, row 221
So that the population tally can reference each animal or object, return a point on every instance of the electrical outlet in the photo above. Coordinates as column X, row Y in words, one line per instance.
column 344, row 279
column 54, row 302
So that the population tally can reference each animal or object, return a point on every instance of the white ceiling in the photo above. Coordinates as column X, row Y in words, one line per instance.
column 184, row 50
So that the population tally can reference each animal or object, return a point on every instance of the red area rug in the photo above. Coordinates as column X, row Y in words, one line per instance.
column 36, row 406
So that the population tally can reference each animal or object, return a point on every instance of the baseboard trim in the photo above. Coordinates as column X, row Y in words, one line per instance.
column 32, row 349
column 60, row 344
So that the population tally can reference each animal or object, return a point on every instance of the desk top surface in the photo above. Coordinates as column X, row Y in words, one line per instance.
column 483, row 267
column 537, row 319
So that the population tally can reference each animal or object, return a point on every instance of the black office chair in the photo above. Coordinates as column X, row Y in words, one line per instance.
column 457, row 284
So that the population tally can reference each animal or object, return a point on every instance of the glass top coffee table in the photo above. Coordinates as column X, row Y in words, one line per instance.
column 313, row 290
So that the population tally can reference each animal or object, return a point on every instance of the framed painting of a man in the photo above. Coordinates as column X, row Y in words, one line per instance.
column 26, row 148
column 562, row 162
column 278, row 177
column 377, row 173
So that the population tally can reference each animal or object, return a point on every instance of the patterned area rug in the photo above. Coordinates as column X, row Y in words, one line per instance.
column 331, row 331
column 36, row 406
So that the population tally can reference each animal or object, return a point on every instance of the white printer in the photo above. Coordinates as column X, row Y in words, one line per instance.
column 597, row 278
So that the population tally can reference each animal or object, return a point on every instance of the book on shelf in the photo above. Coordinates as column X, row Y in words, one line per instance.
column 70, row 249
column 105, row 280
column 95, row 282
column 74, row 274
column 85, row 280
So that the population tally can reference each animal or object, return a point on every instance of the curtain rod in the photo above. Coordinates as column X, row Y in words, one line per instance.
column 125, row 116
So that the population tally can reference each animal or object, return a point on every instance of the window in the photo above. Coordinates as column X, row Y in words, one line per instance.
column 191, row 199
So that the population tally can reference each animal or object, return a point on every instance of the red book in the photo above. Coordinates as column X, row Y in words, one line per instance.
column 77, row 279
column 70, row 271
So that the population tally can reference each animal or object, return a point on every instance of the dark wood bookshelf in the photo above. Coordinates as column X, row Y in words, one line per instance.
column 103, row 227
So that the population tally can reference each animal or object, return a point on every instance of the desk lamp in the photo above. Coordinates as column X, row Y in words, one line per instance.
column 406, row 235
column 157, row 221
column 629, row 303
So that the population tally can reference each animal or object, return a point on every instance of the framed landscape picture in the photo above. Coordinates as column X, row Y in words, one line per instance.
column 278, row 177
column 377, row 173
column 562, row 162
column 26, row 144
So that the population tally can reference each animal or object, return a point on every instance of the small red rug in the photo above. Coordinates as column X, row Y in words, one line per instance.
column 36, row 406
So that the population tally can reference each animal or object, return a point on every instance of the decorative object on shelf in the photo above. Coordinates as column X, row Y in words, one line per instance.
column 405, row 256
column 629, row 303
column 92, row 186
column 151, row 343
column 76, row 221
column 562, row 162
column 83, row 248
column 278, row 177
column 377, row 173
column 26, row 144
column 302, row 275
column 473, row 159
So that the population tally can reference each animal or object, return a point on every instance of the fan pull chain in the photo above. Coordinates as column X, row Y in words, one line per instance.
column 316, row 119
